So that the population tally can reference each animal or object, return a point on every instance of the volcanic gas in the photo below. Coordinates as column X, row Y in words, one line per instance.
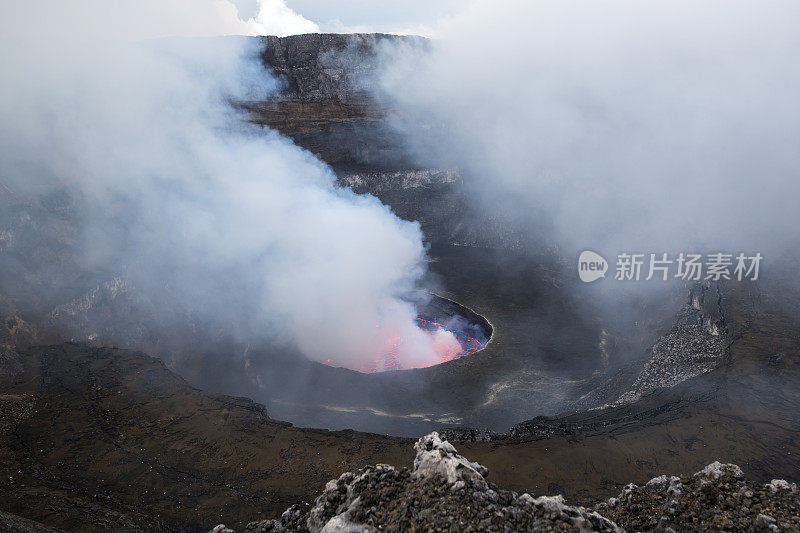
column 448, row 344
column 455, row 331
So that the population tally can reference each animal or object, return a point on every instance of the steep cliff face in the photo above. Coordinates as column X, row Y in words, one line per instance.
column 328, row 67
column 330, row 104
column 325, row 103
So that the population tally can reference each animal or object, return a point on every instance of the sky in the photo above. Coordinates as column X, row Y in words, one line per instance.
column 117, row 20
column 389, row 16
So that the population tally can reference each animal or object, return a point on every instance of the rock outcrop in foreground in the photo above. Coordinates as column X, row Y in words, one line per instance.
column 446, row 492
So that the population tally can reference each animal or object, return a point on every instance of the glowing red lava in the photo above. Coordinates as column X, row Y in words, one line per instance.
column 389, row 359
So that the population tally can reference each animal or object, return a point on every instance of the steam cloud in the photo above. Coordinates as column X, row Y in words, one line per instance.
column 186, row 199
column 615, row 125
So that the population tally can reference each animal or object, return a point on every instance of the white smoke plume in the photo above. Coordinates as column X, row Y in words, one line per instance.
column 621, row 125
column 183, row 196
column 275, row 18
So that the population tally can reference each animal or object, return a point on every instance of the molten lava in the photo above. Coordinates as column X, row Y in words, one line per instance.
column 448, row 343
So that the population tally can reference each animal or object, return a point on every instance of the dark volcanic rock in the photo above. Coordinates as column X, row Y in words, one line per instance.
column 321, row 67
column 325, row 103
column 717, row 498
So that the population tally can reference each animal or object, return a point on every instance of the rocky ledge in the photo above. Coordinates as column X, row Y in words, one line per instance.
column 446, row 492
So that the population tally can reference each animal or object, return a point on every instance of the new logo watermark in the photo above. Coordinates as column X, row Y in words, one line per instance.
column 661, row 266
column 591, row 266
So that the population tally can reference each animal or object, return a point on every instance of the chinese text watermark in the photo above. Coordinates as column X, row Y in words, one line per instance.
column 662, row 266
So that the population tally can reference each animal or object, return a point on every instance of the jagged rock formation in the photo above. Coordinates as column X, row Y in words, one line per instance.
column 717, row 498
column 442, row 492
column 446, row 492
